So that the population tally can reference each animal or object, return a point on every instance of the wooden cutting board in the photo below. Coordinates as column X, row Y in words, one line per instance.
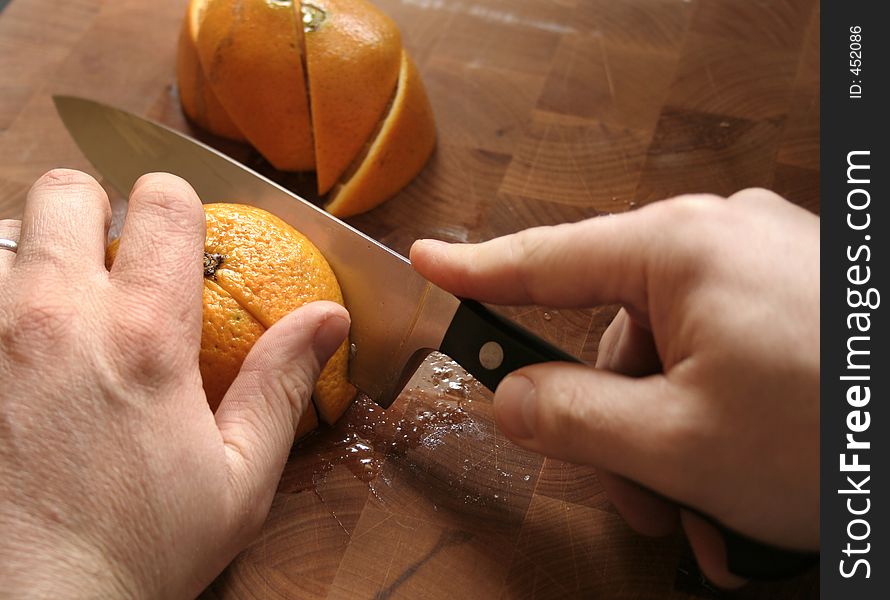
column 548, row 111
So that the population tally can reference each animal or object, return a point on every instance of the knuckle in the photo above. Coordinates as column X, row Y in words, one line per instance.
column 37, row 325
column 75, row 189
column 683, row 430
column 528, row 251
column 678, row 432
column 145, row 348
column 530, row 243
column 66, row 178
column 691, row 207
column 167, row 194
column 697, row 224
column 754, row 194
column 10, row 226
column 568, row 414
column 293, row 386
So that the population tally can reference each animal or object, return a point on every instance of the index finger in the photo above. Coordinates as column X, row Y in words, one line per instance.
column 603, row 260
column 162, row 242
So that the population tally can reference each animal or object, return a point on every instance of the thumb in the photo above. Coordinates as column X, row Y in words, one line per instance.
column 629, row 426
column 259, row 415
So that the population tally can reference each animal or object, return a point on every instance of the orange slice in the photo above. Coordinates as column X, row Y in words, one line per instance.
column 398, row 153
column 198, row 99
column 252, row 57
column 354, row 56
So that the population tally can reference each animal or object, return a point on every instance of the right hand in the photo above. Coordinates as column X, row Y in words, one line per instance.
column 706, row 389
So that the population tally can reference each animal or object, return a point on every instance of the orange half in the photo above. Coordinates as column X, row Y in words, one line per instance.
column 270, row 269
column 267, row 269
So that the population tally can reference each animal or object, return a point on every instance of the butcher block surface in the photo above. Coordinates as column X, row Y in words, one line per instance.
column 548, row 111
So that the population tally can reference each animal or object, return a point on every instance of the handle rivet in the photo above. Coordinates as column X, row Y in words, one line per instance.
column 491, row 355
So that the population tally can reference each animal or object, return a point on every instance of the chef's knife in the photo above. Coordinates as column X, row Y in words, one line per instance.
column 398, row 317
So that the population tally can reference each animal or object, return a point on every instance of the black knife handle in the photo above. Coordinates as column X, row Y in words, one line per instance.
column 477, row 337
column 491, row 347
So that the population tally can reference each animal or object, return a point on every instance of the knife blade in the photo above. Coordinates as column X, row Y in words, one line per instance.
column 398, row 317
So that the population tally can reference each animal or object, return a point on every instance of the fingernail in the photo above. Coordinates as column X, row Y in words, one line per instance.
column 328, row 337
column 515, row 406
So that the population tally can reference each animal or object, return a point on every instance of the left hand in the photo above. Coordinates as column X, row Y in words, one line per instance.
column 117, row 479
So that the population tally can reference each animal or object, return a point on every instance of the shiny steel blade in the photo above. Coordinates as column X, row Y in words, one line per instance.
column 397, row 316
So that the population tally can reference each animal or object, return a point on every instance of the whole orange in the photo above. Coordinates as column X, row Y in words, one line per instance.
column 322, row 85
column 257, row 269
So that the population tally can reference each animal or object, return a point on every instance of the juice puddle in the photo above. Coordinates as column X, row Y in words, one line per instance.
column 423, row 416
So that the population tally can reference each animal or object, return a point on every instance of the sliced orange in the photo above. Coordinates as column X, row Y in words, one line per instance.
column 270, row 269
column 321, row 85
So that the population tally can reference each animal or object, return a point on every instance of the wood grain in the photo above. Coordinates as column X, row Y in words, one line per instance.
column 548, row 111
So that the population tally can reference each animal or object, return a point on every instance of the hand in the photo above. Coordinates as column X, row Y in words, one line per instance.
column 706, row 389
column 117, row 478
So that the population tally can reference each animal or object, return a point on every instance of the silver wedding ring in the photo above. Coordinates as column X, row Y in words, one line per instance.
column 6, row 244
